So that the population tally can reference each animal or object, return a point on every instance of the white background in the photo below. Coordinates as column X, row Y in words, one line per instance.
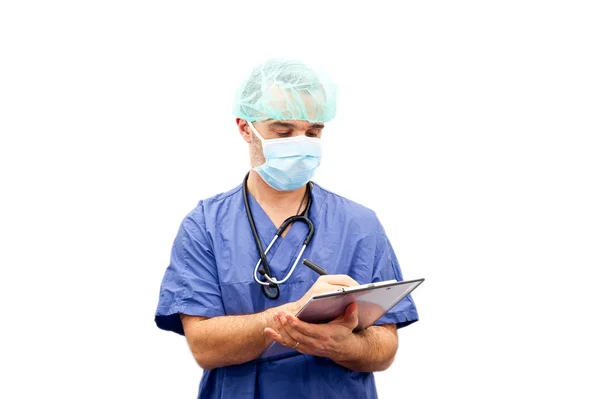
column 470, row 127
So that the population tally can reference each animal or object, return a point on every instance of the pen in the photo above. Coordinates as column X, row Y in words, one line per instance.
column 318, row 269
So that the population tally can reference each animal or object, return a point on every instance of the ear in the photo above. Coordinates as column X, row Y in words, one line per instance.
column 244, row 129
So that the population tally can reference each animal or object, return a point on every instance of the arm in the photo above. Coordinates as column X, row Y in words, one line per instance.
column 372, row 349
column 227, row 340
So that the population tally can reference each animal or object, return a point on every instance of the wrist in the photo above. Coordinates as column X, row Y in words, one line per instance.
column 293, row 307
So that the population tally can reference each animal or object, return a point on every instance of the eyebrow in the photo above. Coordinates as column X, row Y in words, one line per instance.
column 292, row 126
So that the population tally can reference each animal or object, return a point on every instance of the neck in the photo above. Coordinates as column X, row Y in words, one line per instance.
column 266, row 195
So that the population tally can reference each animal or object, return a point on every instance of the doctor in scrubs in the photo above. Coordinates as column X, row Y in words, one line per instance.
column 212, row 293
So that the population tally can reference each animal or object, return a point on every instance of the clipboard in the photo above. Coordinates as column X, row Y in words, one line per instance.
column 374, row 300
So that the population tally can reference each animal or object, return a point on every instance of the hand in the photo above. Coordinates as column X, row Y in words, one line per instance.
column 327, row 283
column 332, row 340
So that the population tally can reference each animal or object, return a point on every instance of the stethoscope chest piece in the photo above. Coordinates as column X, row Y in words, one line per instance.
column 271, row 291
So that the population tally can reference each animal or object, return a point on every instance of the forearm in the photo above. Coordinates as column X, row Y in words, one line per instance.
column 228, row 340
column 370, row 350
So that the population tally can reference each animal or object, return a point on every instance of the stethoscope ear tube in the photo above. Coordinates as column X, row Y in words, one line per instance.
column 290, row 220
column 311, row 232
column 261, row 252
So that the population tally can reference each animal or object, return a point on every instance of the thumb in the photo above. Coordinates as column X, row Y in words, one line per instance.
column 350, row 317
column 351, row 314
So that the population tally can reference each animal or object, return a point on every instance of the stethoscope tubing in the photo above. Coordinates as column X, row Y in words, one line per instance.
column 271, row 281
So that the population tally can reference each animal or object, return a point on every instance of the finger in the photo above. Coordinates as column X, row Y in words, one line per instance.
column 289, row 341
column 308, row 330
column 279, row 334
column 274, row 335
column 308, row 339
column 306, row 344
column 339, row 279
column 350, row 317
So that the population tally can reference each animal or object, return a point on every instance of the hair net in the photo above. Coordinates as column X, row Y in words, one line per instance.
column 285, row 89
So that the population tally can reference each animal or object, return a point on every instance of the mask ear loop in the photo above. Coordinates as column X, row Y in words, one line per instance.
column 256, row 133
column 262, row 141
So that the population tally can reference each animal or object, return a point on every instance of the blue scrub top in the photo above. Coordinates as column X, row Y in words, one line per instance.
column 211, row 274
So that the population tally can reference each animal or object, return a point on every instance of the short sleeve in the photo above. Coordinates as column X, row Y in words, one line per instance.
column 386, row 267
column 190, row 284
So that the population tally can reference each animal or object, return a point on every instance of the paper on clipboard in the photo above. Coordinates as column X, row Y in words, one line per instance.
column 374, row 300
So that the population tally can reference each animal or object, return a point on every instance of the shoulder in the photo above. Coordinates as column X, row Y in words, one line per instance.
column 351, row 211
column 209, row 208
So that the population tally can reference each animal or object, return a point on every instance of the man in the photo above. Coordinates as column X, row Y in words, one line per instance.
column 215, row 289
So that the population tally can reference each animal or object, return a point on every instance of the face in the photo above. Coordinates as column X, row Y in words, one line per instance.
column 275, row 129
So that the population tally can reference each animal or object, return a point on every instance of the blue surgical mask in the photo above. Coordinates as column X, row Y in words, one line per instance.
column 289, row 162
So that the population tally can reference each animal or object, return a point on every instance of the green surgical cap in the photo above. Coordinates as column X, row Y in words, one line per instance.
column 285, row 89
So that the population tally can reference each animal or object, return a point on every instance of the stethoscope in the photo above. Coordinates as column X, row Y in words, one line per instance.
column 270, row 287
